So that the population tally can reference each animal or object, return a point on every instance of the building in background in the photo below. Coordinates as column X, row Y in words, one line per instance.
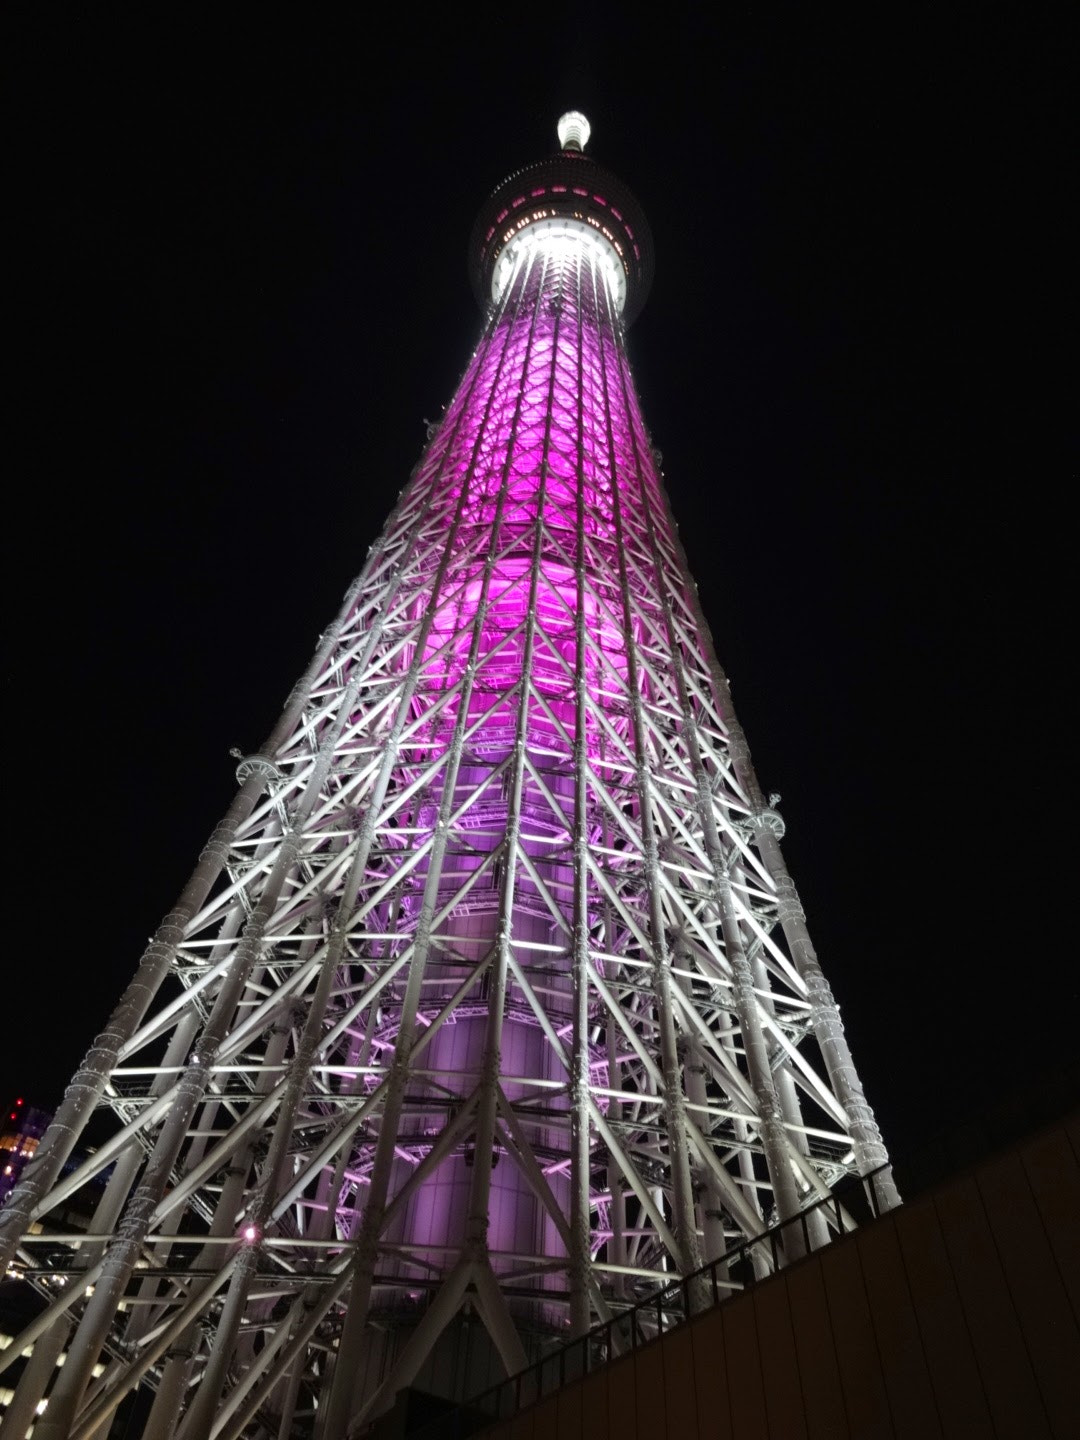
column 23, row 1127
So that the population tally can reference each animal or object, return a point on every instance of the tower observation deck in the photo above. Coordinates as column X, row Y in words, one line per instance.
column 490, row 1006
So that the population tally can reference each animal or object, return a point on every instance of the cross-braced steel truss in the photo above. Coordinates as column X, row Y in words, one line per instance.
column 490, row 993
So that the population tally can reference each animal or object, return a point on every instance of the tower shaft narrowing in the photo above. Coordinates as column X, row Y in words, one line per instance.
column 491, row 995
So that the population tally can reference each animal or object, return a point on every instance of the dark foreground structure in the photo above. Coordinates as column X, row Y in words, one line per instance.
column 955, row 1315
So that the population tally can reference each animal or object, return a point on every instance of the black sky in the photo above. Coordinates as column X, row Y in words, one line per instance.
column 239, row 288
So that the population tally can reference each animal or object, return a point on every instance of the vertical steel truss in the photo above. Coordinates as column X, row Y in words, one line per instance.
column 491, row 989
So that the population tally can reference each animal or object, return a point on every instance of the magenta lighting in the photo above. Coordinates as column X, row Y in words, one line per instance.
column 489, row 1010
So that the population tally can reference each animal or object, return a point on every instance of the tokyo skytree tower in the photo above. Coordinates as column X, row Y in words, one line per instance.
column 489, row 1007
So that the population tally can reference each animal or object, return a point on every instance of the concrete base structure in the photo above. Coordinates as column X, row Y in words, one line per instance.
column 954, row 1316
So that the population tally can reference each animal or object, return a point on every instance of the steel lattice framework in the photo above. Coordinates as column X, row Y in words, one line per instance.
column 491, row 992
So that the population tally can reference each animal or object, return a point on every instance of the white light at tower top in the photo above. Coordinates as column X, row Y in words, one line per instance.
column 574, row 130
column 560, row 236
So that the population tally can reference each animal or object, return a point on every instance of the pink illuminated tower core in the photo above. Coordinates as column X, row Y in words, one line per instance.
column 490, row 1007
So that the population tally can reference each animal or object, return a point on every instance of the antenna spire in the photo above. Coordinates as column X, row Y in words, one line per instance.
column 574, row 131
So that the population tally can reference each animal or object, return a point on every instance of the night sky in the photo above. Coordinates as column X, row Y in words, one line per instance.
column 239, row 288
